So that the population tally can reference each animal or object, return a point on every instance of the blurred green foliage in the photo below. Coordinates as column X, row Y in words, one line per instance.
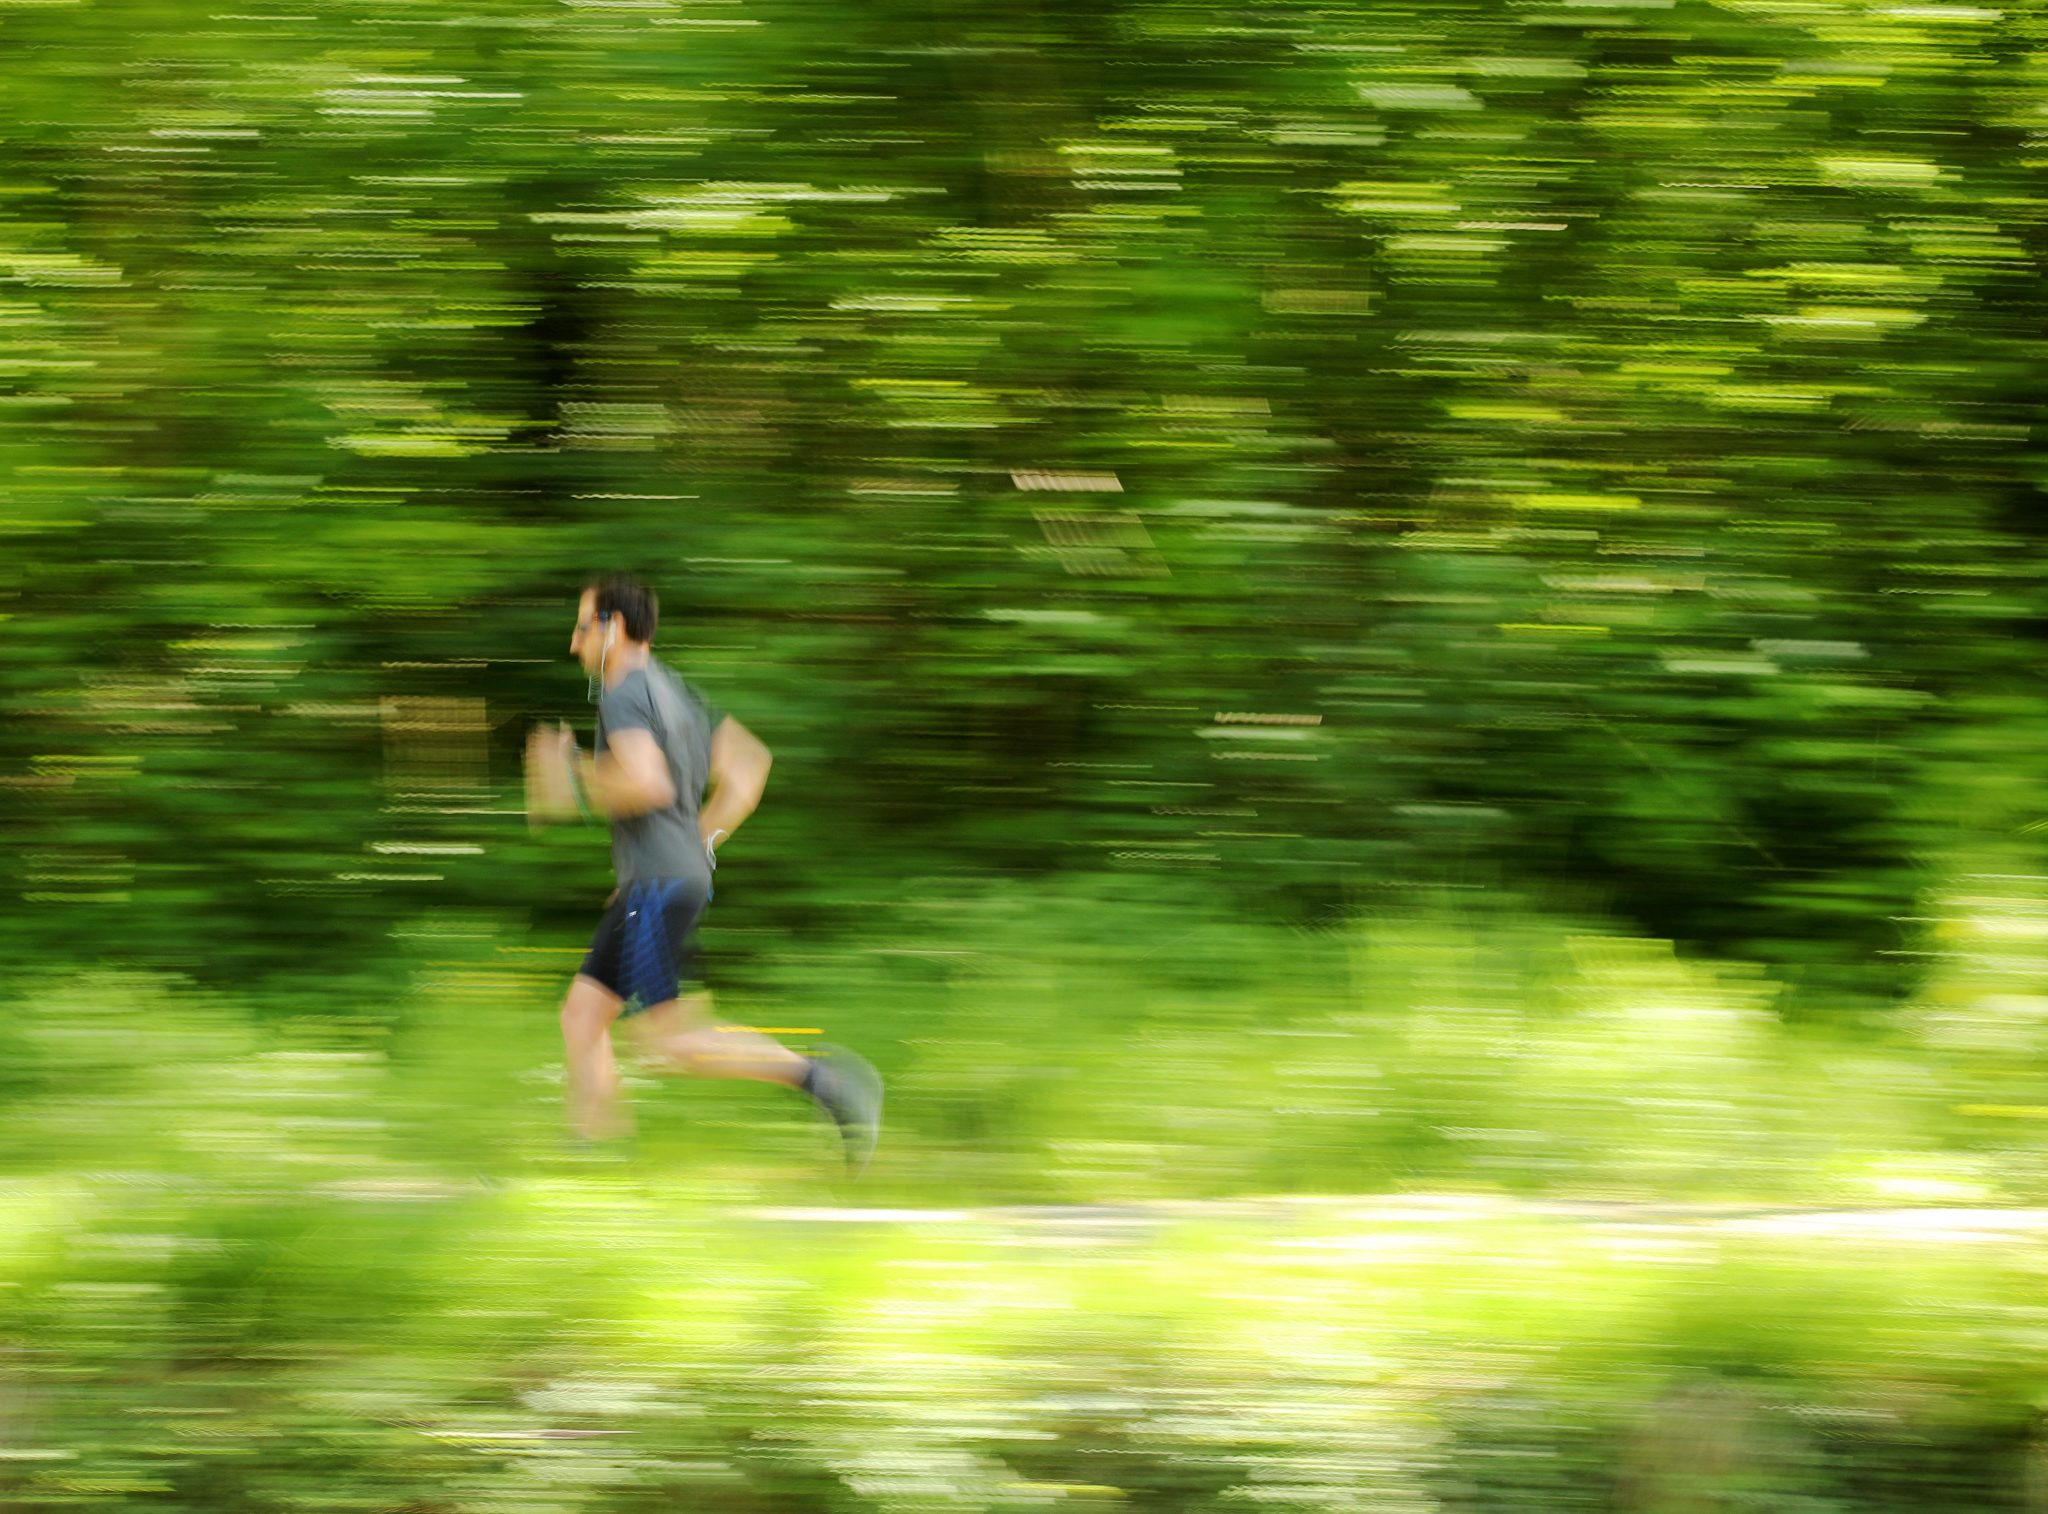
column 1347, row 599
column 1600, row 432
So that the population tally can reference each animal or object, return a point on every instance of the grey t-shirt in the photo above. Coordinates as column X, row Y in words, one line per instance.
column 662, row 843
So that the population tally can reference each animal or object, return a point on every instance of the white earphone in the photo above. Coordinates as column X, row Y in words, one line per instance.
column 611, row 630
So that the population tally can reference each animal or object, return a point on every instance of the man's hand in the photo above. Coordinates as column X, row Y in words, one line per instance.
column 550, row 775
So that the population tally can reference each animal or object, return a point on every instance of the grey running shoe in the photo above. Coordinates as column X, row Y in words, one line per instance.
column 849, row 1089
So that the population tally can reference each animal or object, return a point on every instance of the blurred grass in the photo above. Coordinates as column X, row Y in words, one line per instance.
column 611, row 1342
column 1043, row 1044
column 258, row 1259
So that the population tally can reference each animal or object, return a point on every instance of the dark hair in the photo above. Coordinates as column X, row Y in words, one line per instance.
column 630, row 599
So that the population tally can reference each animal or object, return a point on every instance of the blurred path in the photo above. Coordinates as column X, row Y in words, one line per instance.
column 1360, row 1217
column 1342, row 1221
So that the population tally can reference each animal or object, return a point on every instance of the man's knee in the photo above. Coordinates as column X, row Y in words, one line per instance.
column 588, row 1008
column 694, row 1053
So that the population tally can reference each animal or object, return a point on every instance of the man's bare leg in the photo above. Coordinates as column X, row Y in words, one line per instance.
column 683, row 1036
column 587, row 1014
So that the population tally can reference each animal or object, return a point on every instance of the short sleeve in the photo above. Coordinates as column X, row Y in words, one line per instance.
column 628, row 707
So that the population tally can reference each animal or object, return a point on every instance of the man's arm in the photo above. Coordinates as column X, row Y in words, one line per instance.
column 630, row 778
column 739, row 774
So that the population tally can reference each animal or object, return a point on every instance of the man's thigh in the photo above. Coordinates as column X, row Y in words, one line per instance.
column 667, row 1020
column 589, row 1006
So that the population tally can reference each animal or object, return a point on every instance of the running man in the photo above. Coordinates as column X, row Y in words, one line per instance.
column 675, row 778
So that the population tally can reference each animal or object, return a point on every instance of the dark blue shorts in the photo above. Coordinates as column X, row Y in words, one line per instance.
column 646, row 939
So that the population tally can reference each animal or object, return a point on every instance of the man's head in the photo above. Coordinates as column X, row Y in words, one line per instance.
column 617, row 610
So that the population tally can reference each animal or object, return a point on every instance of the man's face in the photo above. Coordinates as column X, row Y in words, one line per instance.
column 586, row 642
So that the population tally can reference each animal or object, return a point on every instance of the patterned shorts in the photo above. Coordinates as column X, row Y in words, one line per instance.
column 646, row 939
